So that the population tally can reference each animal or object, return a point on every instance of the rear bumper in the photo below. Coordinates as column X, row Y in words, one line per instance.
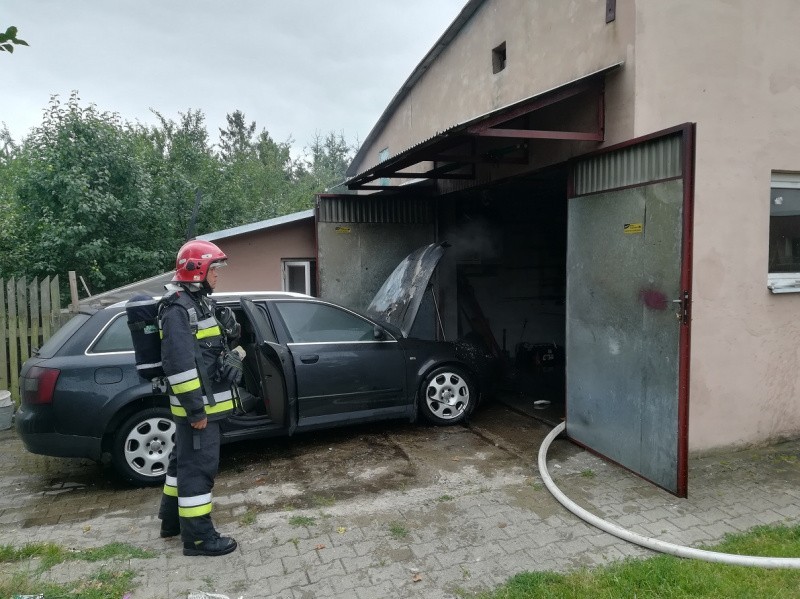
column 37, row 431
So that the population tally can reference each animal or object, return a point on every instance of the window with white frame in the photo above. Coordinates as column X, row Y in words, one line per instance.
column 300, row 276
column 784, row 233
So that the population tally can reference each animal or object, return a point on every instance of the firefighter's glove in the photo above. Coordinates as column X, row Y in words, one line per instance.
column 230, row 328
column 230, row 368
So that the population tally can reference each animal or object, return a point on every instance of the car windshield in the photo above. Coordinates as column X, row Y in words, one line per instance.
column 59, row 338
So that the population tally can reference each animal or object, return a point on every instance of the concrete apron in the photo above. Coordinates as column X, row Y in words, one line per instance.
column 390, row 510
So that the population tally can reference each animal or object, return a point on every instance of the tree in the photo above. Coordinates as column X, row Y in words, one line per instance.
column 329, row 158
column 182, row 163
column 236, row 139
column 9, row 214
column 84, row 200
column 9, row 39
column 86, row 191
column 7, row 145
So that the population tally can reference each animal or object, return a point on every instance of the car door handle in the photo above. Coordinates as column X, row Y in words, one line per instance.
column 309, row 359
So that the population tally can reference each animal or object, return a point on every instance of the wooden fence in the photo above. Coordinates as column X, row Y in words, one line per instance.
column 29, row 315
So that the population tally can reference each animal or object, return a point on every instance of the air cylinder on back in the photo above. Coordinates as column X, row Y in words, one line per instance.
column 142, row 311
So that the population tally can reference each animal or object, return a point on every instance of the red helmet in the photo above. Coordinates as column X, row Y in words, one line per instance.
column 193, row 261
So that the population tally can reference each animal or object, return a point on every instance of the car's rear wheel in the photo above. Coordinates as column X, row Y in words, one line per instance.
column 142, row 446
column 448, row 395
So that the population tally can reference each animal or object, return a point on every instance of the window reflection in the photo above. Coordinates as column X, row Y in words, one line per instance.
column 784, row 229
column 309, row 322
column 116, row 337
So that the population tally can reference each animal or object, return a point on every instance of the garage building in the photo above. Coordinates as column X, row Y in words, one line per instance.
column 618, row 184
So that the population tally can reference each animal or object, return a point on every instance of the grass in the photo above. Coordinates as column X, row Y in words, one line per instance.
column 323, row 500
column 588, row 473
column 51, row 554
column 248, row 518
column 302, row 521
column 103, row 584
column 667, row 577
column 398, row 531
column 536, row 485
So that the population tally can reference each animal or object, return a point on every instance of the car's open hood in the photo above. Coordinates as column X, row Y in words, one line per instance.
column 399, row 297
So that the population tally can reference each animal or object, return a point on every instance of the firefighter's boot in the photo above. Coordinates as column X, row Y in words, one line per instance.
column 212, row 547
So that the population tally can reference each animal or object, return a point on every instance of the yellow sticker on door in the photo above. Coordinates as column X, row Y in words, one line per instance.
column 633, row 227
column 341, row 229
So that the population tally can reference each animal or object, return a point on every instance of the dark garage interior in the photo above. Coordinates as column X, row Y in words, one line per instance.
column 507, row 262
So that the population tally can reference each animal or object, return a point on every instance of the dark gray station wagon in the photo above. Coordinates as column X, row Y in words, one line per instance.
column 309, row 364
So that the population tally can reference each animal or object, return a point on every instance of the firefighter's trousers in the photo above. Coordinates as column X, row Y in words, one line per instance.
column 192, row 467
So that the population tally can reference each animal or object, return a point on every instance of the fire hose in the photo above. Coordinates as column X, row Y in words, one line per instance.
column 648, row 542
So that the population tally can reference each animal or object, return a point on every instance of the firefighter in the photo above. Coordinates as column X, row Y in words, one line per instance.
column 193, row 347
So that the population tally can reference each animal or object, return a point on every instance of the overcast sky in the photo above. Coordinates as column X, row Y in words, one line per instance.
column 296, row 67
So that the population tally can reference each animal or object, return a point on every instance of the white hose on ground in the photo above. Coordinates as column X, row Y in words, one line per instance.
column 650, row 543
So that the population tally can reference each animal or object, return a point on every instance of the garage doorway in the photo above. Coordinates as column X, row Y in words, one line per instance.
column 506, row 269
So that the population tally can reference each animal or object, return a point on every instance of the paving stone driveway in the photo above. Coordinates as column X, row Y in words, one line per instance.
column 394, row 510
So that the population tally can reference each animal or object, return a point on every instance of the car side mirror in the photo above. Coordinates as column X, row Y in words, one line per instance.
column 378, row 333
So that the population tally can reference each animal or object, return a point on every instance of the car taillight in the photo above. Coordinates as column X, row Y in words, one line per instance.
column 38, row 385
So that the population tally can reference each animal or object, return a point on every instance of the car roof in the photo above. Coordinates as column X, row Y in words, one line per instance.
column 233, row 295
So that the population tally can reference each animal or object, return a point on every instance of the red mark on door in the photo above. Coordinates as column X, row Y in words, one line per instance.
column 653, row 299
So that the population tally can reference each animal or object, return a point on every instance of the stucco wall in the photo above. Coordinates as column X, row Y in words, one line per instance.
column 732, row 67
column 254, row 259
column 548, row 43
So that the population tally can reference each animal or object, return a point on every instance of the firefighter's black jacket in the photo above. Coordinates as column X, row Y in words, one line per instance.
column 190, row 334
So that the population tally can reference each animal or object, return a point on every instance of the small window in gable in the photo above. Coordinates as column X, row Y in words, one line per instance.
column 784, row 233
column 499, row 58
column 611, row 10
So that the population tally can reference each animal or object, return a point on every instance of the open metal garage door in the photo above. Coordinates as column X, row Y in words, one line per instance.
column 628, row 304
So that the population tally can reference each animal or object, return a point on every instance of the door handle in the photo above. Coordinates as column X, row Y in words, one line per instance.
column 679, row 311
column 309, row 359
column 683, row 308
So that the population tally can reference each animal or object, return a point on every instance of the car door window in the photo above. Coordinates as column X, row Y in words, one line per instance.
column 258, row 320
column 116, row 337
column 310, row 322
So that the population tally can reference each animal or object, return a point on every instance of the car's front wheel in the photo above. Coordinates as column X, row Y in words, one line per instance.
column 142, row 446
column 448, row 395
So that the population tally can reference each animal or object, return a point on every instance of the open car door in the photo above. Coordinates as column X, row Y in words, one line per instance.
column 629, row 304
column 275, row 368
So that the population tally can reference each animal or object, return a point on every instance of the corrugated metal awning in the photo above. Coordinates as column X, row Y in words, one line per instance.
column 500, row 123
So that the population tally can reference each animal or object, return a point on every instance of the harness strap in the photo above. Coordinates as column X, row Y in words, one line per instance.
column 198, row 359
column 192, row 320
column 201, row 370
